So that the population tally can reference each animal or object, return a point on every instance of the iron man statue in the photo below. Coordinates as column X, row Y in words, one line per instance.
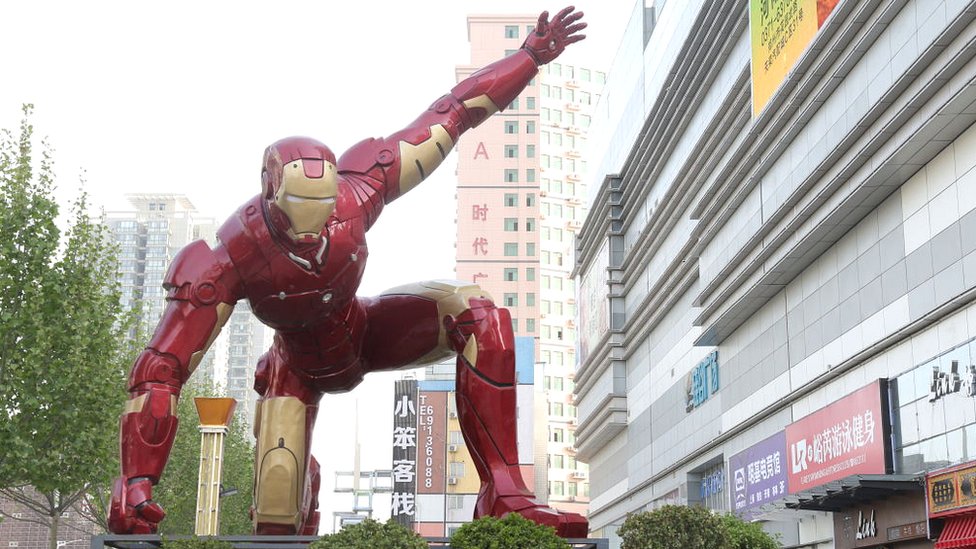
column 297, row 252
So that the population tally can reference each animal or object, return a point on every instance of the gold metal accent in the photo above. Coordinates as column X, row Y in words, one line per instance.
column 482, row 102
column 471, row 351
column 223, row 313
column 452, row 298
column 418, row 161
column 215, row 416
column 280, row 462
column 308, row 203
column 135, row 404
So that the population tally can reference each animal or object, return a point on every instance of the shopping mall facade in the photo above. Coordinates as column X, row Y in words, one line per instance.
column 778, row 271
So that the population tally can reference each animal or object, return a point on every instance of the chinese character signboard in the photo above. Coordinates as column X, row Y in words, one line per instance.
column 703, row 381
column 758, row 475
column 847, row 437
column 404, row 452
column 780, row 32
column 431, row 428
column 951, row 490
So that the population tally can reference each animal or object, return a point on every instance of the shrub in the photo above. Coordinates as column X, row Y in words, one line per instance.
column 675, row 527
column 196, row 543
column 511, row 532
column 747, row 535
column 370, row 534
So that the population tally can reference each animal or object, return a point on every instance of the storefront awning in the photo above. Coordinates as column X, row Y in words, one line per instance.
column 851, row 491
column 959, row 532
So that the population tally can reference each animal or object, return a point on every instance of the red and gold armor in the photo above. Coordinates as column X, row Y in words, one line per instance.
column 297, row 252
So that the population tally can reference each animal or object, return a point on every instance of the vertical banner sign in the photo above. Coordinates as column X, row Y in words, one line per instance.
column 758, row 475
column 402, row 501
column 432, row 428
column 780, row 31
column 848, row 437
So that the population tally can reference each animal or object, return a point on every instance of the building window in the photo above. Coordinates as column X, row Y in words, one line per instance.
column 511, row 275
column 456, row 468
column 530, row 224
column 511, row 300
column 530, row 273
column 514, row 104
column 454, row 437
column 545, row 113
column 511, row 31
column 530, row 200
column 530, row 103
column 511, row 151
column 530, row 126
column 455, row 502
column 545, row 90
column 557, row 487
column 515, row 325
column 510, row 52
column 511, row 248
column 556, row 461
column 557, row 384
column 556, row 408
column 511, row 200
column 511, row 224
column 557, row 435
column 530, row 151
column 530, row 175
column 511, row 126
column 573, row 491
column 530, row 300
column 530, row 325
column 584, row 74
column 511, row 176
column 530, row 249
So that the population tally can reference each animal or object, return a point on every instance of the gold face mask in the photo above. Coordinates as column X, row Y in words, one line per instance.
column 307, row 202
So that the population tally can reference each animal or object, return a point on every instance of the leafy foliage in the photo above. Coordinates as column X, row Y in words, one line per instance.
column 747, row 535
column 177, row 488
column 511, row 532
column 370, row 534
column 63, row 350
column 675, row 527
column 196, row 543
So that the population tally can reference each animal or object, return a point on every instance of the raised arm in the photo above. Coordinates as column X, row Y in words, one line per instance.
column 203, row 287
column 395, row 164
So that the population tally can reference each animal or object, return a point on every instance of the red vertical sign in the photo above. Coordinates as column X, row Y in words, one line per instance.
column 432, row 442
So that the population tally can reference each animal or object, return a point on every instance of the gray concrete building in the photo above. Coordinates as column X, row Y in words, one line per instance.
column 777, row 275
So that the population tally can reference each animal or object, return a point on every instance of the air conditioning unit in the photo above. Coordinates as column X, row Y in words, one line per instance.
column 452, row 480
column 453, row 414
column 579, row 474
column 452, row 447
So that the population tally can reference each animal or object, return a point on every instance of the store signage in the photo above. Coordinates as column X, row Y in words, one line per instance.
column 845, row 438
column 780, row 31
column 403, row 498
column 866, row 527
column 431, row 432
column 947, row 383
column 703, row 381
column 713, row 483
column 758, row 475
column 951, row 490
column 895, row 517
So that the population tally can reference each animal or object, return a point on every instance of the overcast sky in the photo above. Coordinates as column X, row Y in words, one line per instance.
column 183, row 97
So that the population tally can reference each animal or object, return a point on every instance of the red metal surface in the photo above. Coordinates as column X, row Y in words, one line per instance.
column 326, row 337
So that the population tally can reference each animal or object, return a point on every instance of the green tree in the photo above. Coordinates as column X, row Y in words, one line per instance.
column 177, row 488
column 370, row 534
column 63, row 351
column 747, row 535
column 510, row 532
column 675, row 527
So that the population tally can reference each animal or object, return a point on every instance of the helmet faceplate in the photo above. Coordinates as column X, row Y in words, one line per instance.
column 299, row 182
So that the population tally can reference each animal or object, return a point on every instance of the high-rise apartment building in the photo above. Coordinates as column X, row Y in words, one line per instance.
column 149, row 236
column 519, row 197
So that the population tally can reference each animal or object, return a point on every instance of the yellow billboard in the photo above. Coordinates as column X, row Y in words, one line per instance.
column 780, row 31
